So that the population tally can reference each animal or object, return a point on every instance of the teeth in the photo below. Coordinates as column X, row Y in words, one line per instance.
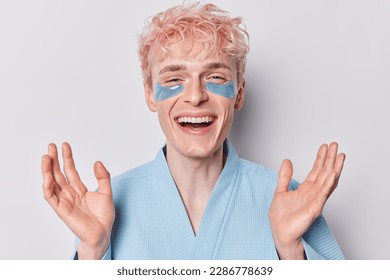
column 196, row 120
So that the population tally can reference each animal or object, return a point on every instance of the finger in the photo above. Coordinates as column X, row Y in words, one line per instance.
column 329, row 165
column 339, row 164
column 284, row 176
column 331, row 157
column 103, row 178
column 55, row 165
column 69, row 166
column 49, row 186
column 318, row 163
column 328, row 186
column 338, row 168
column 46, row 165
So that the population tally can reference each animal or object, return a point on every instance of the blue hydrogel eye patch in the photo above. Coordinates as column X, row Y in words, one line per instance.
column 226, row 90
column 162, row 93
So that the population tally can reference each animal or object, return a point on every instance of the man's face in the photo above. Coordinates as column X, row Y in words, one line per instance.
column 194, row 120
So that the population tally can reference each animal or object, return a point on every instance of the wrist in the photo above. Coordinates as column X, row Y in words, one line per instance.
column 96, row 251
column 292, row 250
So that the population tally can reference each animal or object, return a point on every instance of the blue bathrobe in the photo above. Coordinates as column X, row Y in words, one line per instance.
column 152, row 223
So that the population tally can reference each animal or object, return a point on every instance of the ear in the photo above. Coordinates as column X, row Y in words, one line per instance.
column 149, row 97
column 240, row 96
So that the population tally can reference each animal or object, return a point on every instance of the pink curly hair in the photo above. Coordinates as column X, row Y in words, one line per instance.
column 205, row 27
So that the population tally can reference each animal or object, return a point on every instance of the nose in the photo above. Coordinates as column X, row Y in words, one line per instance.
column 196, row 94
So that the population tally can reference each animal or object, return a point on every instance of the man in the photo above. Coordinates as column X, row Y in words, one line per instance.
column 197, row 199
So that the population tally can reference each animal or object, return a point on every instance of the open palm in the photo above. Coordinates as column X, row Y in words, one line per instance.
column 293, row 211
column 89, row 215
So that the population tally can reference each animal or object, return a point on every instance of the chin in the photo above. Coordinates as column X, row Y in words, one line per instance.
column 198, row 151
column 198, row 154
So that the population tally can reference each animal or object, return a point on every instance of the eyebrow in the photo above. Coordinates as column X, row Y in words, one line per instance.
column 217, row 65
column 182, row 67
column 173, row 68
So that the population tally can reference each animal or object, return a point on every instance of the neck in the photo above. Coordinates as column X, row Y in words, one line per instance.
column 195, row 179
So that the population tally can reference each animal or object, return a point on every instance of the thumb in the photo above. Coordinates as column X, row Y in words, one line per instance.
column 284, row 176
column 103, row 178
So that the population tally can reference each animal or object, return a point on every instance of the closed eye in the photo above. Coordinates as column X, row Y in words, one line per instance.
column 216, row 79
column 173, row 82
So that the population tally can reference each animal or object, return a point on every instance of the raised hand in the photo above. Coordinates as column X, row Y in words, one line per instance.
column 292, row 212
column 90, row 215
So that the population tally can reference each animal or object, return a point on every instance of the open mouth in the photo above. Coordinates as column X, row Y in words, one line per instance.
column 195, row 122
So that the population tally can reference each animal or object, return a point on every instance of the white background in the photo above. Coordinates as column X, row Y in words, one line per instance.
column 318, row 71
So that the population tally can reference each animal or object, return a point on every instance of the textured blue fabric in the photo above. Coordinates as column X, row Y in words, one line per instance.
column 152, row 222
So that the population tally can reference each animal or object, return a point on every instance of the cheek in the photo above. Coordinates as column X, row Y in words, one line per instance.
column 164, row 121
column 164, row 110
column 226, row 110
